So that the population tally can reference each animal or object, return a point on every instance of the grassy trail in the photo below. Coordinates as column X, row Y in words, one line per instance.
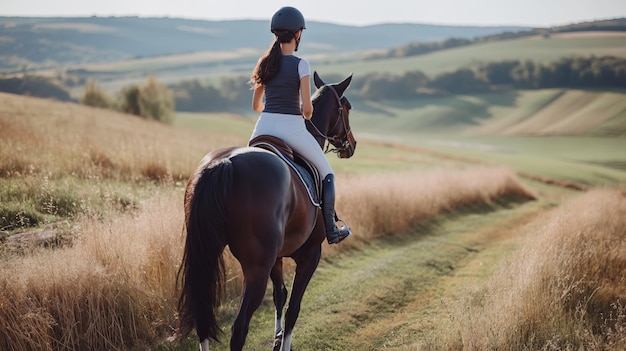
column 396, row 293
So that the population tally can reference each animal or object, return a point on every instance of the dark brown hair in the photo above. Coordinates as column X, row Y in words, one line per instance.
column 267, row 66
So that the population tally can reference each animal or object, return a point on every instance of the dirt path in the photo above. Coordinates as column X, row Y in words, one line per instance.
column 396, row 294
column 403, row 305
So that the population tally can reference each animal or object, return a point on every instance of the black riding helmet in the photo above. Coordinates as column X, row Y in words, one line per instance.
column 288, row 19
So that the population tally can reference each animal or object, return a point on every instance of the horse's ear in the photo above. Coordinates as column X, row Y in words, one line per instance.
column 341, row 87
column 317, row 80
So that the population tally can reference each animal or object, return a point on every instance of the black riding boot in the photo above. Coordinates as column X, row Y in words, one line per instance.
column 334, row 235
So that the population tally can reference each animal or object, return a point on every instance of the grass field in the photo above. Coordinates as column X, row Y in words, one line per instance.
column 470, row 223
column 521, row 112
column 535, row 49
column 434, row 215
column 520, row 129
column 109, row 186
column 589, row 161
column 437, row 195
column 212, row 66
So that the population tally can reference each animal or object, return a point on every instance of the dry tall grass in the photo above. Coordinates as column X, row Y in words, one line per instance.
column 55, row 139
column 114, row 289
column 385, row 204
column 564, row 290
column 58, row 160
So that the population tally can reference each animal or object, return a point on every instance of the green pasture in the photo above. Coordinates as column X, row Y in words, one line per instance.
column 520, row 129
column 177, row 62
column 516, row 112
column 535, row 49
column 369, row 157
column 398, row 136
column 222, row 123
column 214, row 65
column 593, row 161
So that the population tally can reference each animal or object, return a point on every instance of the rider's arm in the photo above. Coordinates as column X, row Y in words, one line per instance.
column 257, row 98
column 305, row 94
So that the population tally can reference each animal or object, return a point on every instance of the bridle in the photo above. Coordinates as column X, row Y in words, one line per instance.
column 332, row 140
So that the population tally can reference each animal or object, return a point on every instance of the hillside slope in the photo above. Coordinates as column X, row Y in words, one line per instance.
column 30, row 42
column 535, row 48
column 571, row 112
column 525, row 112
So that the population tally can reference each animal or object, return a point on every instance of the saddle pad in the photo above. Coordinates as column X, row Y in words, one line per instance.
column 303, row 173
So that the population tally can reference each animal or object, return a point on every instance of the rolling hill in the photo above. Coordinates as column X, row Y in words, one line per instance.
column 45, row 42
column 545, row 112
column 122, row 178
column 514, row 113
column 535, row 48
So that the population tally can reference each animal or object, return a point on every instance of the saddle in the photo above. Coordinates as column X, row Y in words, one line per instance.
column 307, row 173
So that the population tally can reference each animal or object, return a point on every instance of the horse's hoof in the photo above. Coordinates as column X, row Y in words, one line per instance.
column 277, row 345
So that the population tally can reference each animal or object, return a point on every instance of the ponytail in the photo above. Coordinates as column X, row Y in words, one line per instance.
column 267, row 66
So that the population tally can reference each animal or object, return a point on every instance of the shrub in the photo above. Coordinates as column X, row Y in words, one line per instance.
column 95, row 96
column 130, row 100
column 152, row 100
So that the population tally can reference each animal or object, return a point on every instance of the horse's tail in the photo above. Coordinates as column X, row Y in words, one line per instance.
column 201, row 273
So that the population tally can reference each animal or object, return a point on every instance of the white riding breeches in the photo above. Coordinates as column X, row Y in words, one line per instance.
column 292, row 130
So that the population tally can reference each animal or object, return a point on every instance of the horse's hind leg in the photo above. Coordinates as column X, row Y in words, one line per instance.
column 255, row 283
column 280, row 298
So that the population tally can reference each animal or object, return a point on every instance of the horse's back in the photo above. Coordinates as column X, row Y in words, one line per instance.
column 252, row 166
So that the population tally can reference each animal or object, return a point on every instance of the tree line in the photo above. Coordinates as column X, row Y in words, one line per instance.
column 570, row 73
column 151, row 100
column 419, row 48
column 575, row 72
column 157, row 101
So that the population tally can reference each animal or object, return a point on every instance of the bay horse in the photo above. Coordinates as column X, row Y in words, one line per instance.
column 250, row 200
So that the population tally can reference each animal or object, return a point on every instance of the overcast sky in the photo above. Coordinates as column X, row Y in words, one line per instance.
column 541, row 13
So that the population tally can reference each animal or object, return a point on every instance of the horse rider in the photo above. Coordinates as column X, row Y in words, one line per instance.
column 284, row 80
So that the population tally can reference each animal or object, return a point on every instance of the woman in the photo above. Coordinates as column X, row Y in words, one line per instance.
column 284, row 80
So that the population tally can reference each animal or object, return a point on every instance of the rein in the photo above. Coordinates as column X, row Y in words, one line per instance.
column 345, row 143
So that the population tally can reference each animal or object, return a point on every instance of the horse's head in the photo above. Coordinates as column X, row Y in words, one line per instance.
column 330, row 121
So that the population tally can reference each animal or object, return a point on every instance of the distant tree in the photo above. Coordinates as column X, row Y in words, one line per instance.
column 237, row 92
column 499, row 73
column 192, row 95
column 156, row 101
column 95, row 96
column 230, row 94
column 379, row 86
column 130, row 100
column 461, row 81
column 563, row 74
column 417, row 48
column 152, row 100
column 408, row 85
column 524, row 75
column 544, row 77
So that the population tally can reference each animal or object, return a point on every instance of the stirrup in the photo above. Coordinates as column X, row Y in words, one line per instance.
column 342, row 232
